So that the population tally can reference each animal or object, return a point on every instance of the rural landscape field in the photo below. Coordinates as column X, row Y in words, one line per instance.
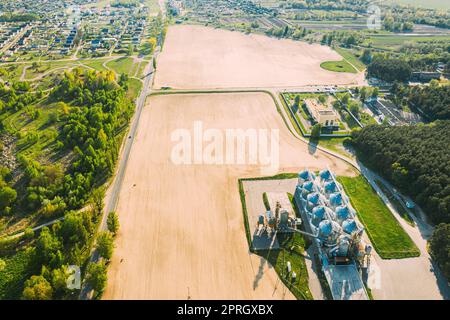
column 224, row 150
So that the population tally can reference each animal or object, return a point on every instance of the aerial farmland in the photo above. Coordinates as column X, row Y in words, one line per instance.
column 224, row 150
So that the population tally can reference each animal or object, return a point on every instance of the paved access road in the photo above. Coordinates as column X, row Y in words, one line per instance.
column 113, row 191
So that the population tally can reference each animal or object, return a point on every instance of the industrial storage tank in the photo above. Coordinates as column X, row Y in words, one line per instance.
column 329, row 231
column 330, row 187
column 309, row 185
column 313, row 200
column 271, row 220
column 342, row 213
column 325, row 175
column 318, row 214
column 305, row 175
column 307, row 188
column 284, row 218
column 349, row 226
column 335, row 199
column 261, row 219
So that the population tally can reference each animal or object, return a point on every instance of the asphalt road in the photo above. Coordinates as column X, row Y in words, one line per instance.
column 116, row 184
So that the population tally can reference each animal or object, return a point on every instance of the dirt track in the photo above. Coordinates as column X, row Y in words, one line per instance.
column 196, row 57
column 182, row 230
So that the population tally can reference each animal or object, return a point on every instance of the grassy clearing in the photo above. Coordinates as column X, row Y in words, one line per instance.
column 395, row 202
column 38, row 134
column 12, row 72
column 134, row 88
column 122, row 65
column 395, row 42
column 387, row 236
column 97, row 64
column 350, row 57
column 45, row 67
column 337, row 145
column 338, row 66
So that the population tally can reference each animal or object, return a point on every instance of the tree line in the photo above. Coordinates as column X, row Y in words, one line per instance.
column 416, row 159
column 95, row 114
column 433, row 101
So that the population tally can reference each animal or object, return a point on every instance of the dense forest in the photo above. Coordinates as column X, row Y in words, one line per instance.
column 416, row 159
column 433, row 101
column 94, row 112
column 440, row 247
column 413, row 58
column 390, row 70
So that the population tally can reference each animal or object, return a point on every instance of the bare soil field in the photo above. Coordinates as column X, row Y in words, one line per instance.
column 181, row 226
column 196, row 57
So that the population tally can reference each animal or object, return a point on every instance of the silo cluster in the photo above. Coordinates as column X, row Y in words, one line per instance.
column 330, row 216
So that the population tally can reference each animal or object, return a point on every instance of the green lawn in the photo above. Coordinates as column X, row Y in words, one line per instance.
column 350, row 57
column 387, row 236
column 97, row 64
column 395, row 42
column 338, row 66
column 122, row 65
column 396, row 203
column 336, row 145
column 134, row 87
column 44, row 67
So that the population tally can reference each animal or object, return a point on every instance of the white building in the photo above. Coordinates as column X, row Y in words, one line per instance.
column 322, row 114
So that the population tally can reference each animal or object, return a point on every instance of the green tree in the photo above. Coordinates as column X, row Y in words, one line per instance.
column 440, row 247
column 48, row 248
column 363, row 94
column 390, row 70
column 375, row 92
column 96, row 276
column 315, row 131
column 59, row 281
column 130, row 50
column 105, row 244
column 76, row 227
column 37, row 288
column 113, row 222
column 366, row 56
column 322, row 98
column 355, row 108
column 97, row 202
column 2, row 265
column 345, row 98
column 28, row 233
column 7, row 196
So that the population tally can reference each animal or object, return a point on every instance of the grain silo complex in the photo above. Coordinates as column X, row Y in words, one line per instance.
column 329, row 217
